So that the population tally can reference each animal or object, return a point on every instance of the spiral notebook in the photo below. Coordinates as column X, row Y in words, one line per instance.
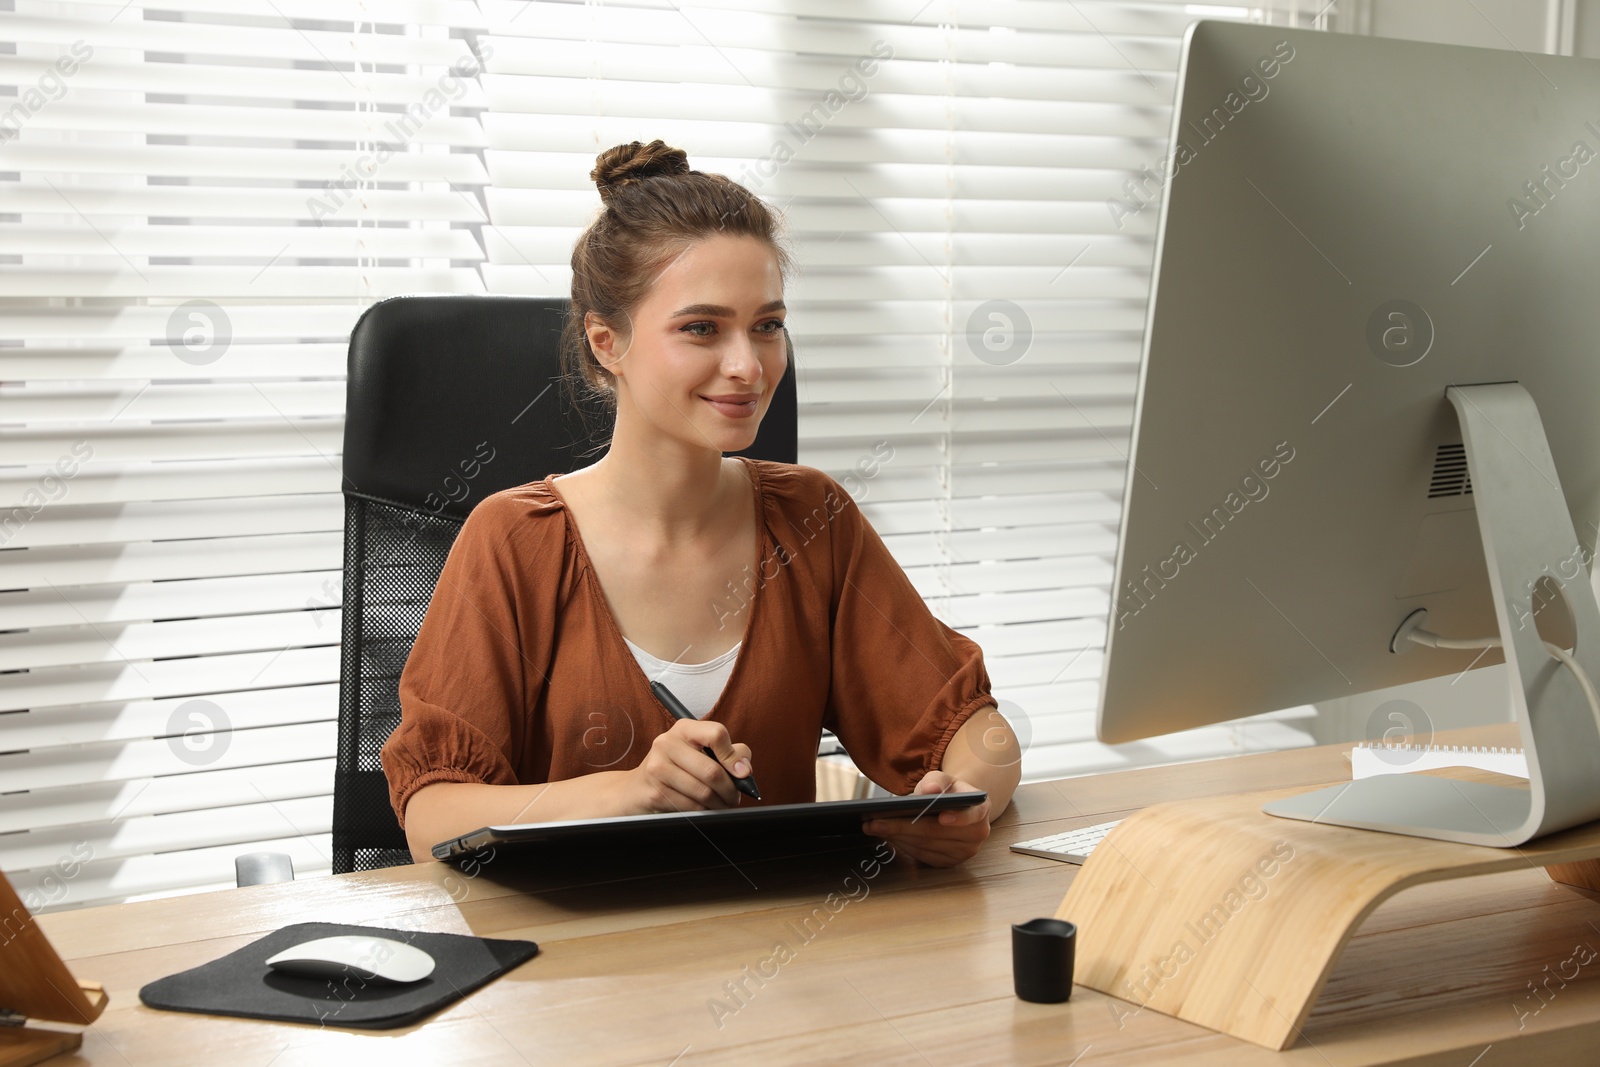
column 1368, row 759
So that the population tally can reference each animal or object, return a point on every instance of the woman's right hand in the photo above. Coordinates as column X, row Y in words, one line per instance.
column 677, row 776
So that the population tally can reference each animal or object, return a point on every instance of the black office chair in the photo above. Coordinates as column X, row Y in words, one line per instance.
column 449, row 399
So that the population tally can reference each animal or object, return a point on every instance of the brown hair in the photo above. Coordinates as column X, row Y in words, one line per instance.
column 654, row 207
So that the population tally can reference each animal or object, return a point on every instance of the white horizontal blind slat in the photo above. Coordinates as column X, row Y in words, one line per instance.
column 67, row 765
column 439, row 13
column 240, row 82
column 162, row 403
column 132, row 643
column 190, row 598
column 213, row 675
column 96, row 197
column 343, row 242
column 228, row 283
column 140, row 835
column 44, row 362
column 198, row 119
column 179, row 480
column 192, row 870
column 88, row 803
column 61, row 523
column 272, row 39
column 119, row 562
column 138, row 720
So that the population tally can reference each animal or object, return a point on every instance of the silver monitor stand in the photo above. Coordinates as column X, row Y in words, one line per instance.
column 1528, row 537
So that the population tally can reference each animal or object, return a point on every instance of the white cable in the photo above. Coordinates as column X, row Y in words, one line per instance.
column 1579, row 673
column 1433, row 640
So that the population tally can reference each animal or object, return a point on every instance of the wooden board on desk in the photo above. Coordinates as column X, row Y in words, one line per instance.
column 1218, row 913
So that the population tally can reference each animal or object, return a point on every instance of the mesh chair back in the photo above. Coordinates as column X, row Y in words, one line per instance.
column 449, row 399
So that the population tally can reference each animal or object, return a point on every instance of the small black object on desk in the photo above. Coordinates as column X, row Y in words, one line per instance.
column 1041, row 959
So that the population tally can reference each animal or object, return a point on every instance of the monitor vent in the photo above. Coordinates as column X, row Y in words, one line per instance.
column 1450, row 472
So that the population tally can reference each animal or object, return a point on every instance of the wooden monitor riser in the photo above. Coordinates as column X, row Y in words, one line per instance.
column 1217, row 913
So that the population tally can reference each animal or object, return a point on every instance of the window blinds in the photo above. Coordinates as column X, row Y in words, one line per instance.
column 199, row 198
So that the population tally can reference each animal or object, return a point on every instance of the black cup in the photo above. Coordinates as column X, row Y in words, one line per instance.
column 1041, row 959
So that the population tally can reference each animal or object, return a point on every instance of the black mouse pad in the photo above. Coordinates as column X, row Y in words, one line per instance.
column 241, row 983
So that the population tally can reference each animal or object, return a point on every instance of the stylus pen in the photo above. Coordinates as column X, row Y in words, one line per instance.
column 745, row 785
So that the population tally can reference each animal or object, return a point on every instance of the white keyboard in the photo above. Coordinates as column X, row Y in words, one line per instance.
column 1074, row 846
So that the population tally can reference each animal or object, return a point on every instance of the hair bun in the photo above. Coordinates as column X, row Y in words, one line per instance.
column 631, row 162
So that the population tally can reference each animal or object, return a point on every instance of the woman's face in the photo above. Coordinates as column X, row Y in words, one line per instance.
column 707, row 346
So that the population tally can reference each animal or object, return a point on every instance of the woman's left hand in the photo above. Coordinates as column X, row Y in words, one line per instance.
column 942, row 840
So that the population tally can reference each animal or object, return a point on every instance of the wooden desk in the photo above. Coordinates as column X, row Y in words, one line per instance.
column 915, row 970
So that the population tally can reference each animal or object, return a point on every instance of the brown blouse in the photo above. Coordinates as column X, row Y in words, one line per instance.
column 519, row 673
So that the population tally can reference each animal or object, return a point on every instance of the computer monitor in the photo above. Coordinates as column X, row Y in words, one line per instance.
column 1348, row 228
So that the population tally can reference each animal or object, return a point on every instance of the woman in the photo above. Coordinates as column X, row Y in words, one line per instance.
column 756, row 591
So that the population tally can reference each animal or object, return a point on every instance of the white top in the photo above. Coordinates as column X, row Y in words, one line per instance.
column 697, row 685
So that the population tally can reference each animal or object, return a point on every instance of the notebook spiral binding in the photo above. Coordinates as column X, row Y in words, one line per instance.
column 1439, row 748
column 1369, row 757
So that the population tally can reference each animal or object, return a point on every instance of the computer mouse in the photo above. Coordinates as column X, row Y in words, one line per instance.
column 364, row 956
